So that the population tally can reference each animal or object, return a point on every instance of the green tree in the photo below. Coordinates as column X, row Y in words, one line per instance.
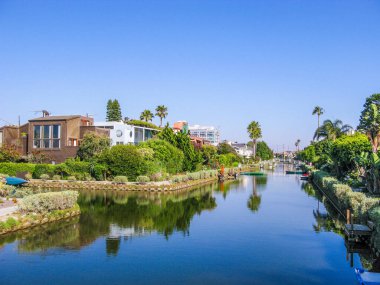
column 209, row 155
column 113, row 111
column 146, row 116
column 319, row 112
column 308, row 154
column 331, row 130
column 9, row 153
column 263, row 151
column 344, row 151
column 225, row 148
column 92, row 146
column 370, row 120
column 166, row 154
column 161, row 112
column 254, row 131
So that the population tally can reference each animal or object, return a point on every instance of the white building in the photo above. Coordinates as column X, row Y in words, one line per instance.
column 205, row 132
column 242, row 149
column 121, row 133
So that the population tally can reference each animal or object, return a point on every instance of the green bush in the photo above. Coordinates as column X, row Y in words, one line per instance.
column 71, row 178
column 41, row 169
column 6, row 190
column 127, row 160
column 156, row 177
column 28, row 176
column 120, row 179
column 44, row 176
column 143, row 179
column 12, row 169
column 56, row 177
column 10, row 223
column 47, row 202
column 167, row 154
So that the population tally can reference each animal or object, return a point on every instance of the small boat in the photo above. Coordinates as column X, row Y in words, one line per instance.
column 367, row 278
column 253, row 173
column 304, row 177
column 294, row 172
column 15, row 181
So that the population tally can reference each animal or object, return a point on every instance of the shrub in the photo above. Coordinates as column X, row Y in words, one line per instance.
column 6, row 190
column 142, row 179
column 13, row 169
column 194, row 176
column 28, row 176
column 47, row 202
column 71, row 178
column 44, row 176
column 179, row 178
column 56, row 177
column 41, row 169
column 126, row 160
column 156, row 176
column 9, row 224
column 120, row 179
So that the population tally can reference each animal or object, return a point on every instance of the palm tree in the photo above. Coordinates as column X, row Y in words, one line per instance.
column 254, row 131
column 319, row 112
column 331, row 130
column 297, row 144
column 161, row 112
column 146, row 116
column 370, row 120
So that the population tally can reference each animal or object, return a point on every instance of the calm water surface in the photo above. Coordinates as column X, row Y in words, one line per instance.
column 258, row 230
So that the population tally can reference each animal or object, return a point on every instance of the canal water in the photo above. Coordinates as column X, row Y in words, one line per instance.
column 257, row 230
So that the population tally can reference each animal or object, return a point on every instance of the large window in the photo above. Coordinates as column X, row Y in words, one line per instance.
column 47, row 136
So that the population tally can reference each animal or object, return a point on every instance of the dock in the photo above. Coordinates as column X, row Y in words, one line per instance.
column 356, row 231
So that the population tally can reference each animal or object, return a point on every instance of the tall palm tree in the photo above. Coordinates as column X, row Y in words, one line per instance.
column 297, row 144
column 331, row 130
column 146, row 116
column 161, row 112
column 254, row 131
column 319, row 112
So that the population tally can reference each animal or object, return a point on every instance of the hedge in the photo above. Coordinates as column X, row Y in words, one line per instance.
column 47, row 202
column 343, row 195
column 12, row 169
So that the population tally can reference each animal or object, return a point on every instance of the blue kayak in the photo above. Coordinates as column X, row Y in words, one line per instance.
column 14, row 181
column 367, row 278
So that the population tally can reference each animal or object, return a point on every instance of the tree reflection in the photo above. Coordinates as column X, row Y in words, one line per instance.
column 117, row 215
column 254, row 200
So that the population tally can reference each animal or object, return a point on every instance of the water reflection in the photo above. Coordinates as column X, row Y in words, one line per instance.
column 258, row 184
column 117, row 215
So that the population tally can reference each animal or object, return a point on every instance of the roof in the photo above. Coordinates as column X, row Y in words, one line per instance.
column 55, row 118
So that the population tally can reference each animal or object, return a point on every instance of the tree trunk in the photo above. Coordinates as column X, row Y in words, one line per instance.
column 254, row 149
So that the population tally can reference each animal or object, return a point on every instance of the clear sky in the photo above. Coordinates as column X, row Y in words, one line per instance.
column 222, row 63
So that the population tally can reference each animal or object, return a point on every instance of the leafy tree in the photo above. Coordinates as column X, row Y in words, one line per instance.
column 146, row 116
column 345, row 150
column 319, row 112
column 127, row 160
column 92, row 146
column 225, row 148
column 331, row 130
column 9, row 153
column 182, row 141
column 263, row 151
column 166, row 154
column 254, row 131
column 113, row 111
column 370, row 120
column 308, row 154
column 161, row 112
column 209, row 155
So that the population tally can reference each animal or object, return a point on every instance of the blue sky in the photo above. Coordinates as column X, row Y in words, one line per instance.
column 222, row 63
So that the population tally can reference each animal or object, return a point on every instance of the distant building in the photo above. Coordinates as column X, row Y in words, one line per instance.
column 208, row 133
column 181, row 126
column 121, row 133
column 242, row 149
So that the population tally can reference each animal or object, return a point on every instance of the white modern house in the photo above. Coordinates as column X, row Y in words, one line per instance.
column 208, row 133
column 121, row 133
column 242, row 149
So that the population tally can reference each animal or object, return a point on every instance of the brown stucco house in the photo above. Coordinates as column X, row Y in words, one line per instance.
column 55, row 137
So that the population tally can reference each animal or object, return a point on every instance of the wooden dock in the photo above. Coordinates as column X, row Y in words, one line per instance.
column 356, row 231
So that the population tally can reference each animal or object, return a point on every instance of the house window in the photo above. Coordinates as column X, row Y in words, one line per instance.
column 72, row 142
column 47, row 136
